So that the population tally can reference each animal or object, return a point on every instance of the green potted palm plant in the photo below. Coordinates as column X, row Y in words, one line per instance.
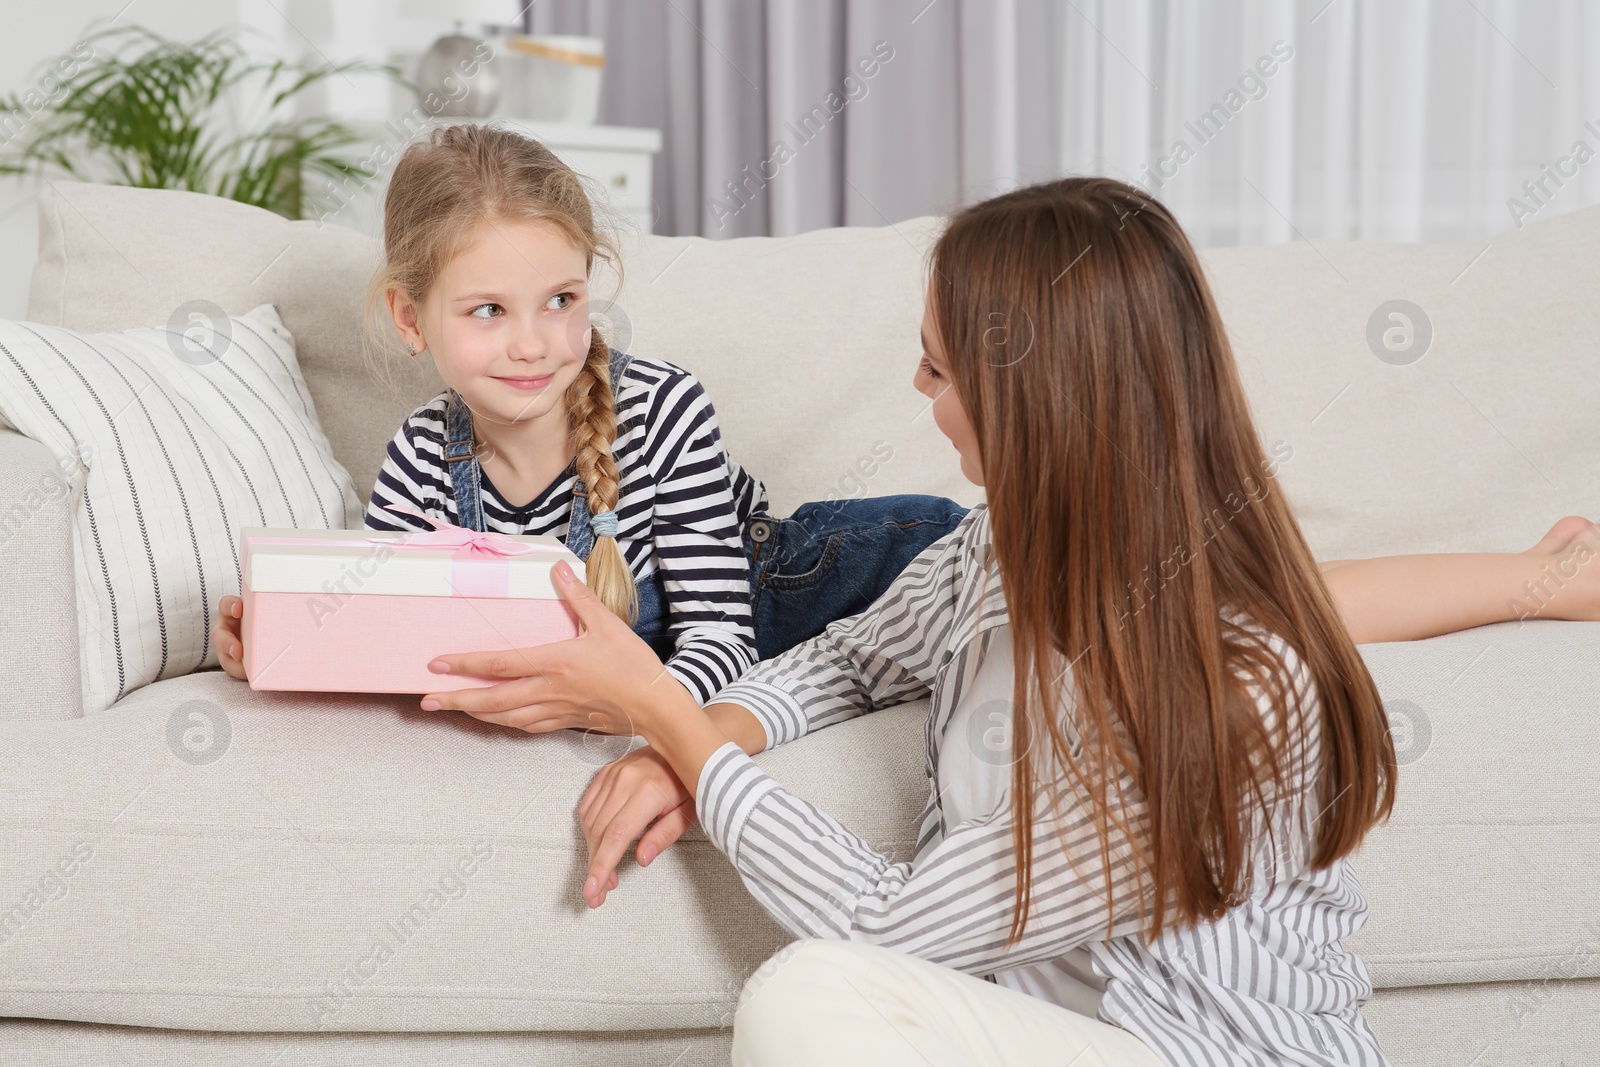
column 144, row 110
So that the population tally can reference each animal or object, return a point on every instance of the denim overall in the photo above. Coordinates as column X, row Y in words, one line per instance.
column 828, row 560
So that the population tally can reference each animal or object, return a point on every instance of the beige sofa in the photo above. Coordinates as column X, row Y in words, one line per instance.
column 231, row 913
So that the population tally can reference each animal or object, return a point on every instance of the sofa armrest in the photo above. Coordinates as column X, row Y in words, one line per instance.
column 38, row 607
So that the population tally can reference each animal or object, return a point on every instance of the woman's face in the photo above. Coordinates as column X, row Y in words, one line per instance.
column 933, row 381
column 507, row 320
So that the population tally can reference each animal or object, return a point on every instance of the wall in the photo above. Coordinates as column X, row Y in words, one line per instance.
column 38, row 34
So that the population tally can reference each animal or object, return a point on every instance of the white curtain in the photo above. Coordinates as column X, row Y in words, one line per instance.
column 1323, row 119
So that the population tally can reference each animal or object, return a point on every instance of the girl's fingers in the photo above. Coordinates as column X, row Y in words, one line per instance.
column 666, row 830
column 225, row 644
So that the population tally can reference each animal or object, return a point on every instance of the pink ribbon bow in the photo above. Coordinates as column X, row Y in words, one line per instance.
column 479, row 566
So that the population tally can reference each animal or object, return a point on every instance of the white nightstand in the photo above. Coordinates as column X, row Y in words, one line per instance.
column 619, row 158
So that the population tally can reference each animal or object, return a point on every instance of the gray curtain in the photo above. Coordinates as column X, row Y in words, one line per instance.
column 780, row 116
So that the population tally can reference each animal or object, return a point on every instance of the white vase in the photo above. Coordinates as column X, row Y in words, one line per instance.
column 551, row 79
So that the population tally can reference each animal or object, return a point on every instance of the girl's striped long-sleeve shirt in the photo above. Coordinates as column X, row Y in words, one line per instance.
column 681, row 509
column 1268, row 983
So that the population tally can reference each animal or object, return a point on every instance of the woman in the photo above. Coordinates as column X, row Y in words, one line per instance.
column 1155, row 868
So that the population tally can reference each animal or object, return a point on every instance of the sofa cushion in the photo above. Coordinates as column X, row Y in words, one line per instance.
column 1472, row 443
column 51, row 1043
column 205, row 856
column 173, row 438
column 1497, row 1025
column 39, row 673
column 1486, row 871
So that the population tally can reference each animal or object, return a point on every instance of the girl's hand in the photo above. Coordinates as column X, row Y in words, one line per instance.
column 604, row 679
column 1565, row 575
column 226, row 637
column 626, row 797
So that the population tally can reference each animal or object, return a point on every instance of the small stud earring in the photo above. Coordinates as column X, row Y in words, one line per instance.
column 411, row 349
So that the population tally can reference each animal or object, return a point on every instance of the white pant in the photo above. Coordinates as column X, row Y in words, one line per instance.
column 838, row 1002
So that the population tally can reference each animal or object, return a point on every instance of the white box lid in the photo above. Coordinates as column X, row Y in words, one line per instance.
column 380, row 562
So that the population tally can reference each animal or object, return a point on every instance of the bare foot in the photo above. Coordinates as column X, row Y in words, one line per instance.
column 1568, row 582
column 1564, row 532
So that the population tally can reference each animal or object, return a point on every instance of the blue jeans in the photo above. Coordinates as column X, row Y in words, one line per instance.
column 832, row 559
column 829, row 560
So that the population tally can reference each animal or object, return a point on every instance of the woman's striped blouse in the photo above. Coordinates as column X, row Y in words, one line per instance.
column 681, row 510
column 1268, row 983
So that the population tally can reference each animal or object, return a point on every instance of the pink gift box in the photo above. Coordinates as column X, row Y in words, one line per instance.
column 365, row 611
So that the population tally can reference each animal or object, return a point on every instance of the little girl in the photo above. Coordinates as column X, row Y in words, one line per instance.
column 489, row 241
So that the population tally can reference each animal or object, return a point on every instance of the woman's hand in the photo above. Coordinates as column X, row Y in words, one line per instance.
column 604, row 679
column 626, row 797
column 226, row 637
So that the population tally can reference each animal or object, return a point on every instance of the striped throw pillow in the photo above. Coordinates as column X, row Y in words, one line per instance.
column 174, row 437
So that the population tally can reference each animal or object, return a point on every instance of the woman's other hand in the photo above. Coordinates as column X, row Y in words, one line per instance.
column 626, row 797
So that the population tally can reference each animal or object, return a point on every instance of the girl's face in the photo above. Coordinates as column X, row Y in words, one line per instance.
column 933, row 380
column 507, row 321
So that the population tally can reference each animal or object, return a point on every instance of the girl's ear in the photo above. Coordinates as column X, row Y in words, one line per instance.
column 404, row 312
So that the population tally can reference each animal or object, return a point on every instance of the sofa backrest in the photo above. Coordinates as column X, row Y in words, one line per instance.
column 808, row 345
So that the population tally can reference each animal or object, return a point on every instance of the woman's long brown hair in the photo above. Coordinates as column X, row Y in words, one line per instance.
column 1132, row 510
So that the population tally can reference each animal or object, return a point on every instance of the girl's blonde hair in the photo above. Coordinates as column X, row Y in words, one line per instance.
column 443, row 190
